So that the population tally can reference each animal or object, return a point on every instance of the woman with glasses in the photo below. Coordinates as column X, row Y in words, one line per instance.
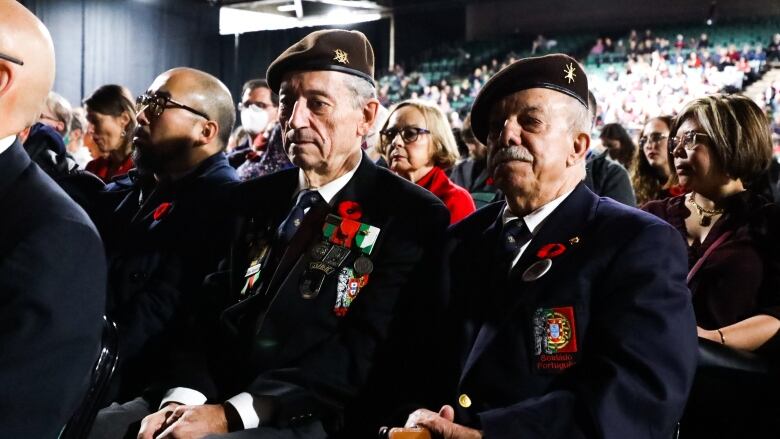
column 418, row 144
column 719, row 144
column 652, row 174
column 111, row 116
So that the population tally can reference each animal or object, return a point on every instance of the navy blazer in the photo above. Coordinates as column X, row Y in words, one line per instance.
column 301, row 361
column 52, row 298
column 160, row 247
column 601, row 345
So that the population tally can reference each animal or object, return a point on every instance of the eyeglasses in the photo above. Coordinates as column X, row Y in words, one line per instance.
column 12, row 59
column 652, row 138
column 688, row 140
column 156, row 104
column 249, row 104
column 408, row 134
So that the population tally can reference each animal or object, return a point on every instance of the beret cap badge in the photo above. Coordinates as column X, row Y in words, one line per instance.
column 570, row 73
column 341, row 56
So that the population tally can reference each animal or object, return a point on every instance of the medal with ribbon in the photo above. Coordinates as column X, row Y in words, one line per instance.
column 342, row 234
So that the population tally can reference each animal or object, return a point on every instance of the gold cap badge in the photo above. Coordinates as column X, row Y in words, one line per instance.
column 570, row 73
column 341, row 56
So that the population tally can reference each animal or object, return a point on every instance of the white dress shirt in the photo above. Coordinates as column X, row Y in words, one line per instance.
column 533, row 220
column 244, row 402
column 6, row 143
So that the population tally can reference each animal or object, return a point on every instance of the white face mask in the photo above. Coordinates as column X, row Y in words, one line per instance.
column 254, row 119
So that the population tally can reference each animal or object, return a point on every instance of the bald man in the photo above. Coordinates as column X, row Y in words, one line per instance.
column 165, row 230
column 52, row 267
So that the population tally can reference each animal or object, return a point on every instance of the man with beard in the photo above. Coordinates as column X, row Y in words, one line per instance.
column 570, row 315
column 163, row 224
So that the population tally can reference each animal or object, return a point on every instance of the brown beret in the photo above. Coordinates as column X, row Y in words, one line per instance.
column 332, row 49
column 556, row 71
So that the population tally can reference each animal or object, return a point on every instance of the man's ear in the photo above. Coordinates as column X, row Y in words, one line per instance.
column 369, row 117
column 7, row 76
column 209, row 131
column 579, row 149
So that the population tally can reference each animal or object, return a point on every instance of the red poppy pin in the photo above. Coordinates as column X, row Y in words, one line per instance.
column 162, row 210
column 550, row 251
column 350, row 210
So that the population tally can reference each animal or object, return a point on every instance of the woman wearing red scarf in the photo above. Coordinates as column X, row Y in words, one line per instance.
column 417, row 143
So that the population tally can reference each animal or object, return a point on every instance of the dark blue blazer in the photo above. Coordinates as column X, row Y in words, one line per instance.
column 158, row 257
column 52, row 298
column 300, row 361
column 614, row 303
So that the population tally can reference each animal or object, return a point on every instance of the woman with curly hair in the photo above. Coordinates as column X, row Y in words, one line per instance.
column 652, row 176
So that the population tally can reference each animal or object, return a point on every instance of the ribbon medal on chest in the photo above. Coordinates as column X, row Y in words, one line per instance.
column 345, row 250
column 258, row 255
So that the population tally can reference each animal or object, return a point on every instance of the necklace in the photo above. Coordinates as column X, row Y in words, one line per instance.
column 705, row 215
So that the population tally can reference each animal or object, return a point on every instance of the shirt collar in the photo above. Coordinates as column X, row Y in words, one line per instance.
column 535, row 219
column 329, row 190
column 6, row 143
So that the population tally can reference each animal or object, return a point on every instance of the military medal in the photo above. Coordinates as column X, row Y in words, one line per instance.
column 255, row 268
column 537, row 270
column 363, row 265
column 319, row 251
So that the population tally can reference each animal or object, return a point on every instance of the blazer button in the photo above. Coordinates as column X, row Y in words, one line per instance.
column 464, row 401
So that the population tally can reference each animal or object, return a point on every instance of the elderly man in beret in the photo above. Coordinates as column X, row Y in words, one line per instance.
column 570, row 313
column 332, row 260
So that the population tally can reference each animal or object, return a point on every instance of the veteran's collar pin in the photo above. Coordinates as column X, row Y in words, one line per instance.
column 537, row 270
column 341, row 56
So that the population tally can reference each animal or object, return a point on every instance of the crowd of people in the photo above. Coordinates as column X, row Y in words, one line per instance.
column 340, row 261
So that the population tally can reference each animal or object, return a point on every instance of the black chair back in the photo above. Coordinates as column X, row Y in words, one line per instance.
column 81, row 422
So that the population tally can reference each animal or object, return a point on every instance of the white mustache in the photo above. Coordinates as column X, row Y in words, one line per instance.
column 510, row 153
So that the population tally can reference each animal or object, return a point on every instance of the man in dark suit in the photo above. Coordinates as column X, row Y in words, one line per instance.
column 52, row 266
column 570, row 314
column 166, row 225
column 333, row 259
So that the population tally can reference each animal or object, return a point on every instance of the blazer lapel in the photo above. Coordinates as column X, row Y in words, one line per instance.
column 488, row 329
column 13, row 162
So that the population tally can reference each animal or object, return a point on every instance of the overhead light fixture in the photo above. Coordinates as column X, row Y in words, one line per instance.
column 237, row 21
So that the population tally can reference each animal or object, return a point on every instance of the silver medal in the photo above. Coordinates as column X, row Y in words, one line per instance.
column 537, row 270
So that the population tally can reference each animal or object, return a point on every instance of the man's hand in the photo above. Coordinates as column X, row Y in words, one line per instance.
column 194, row 422
column 441, row 424
column 153, row 424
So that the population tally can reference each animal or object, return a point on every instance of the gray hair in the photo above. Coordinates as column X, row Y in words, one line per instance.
column 61, row 108
column 360, row 89
column 580, row 120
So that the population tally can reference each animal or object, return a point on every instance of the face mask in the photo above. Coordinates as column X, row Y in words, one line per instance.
column 253, row 119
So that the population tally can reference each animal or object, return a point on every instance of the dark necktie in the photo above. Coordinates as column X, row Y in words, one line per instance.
column 306, row 199
column 514, row 236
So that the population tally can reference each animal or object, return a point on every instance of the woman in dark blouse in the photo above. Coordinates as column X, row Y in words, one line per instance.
column 719, row 143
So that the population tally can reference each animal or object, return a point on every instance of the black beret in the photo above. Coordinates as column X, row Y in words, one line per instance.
column 556, row 71
column 332, row 49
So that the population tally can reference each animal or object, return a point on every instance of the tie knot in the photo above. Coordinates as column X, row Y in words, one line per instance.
column 308, row 198
column 515, row 234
